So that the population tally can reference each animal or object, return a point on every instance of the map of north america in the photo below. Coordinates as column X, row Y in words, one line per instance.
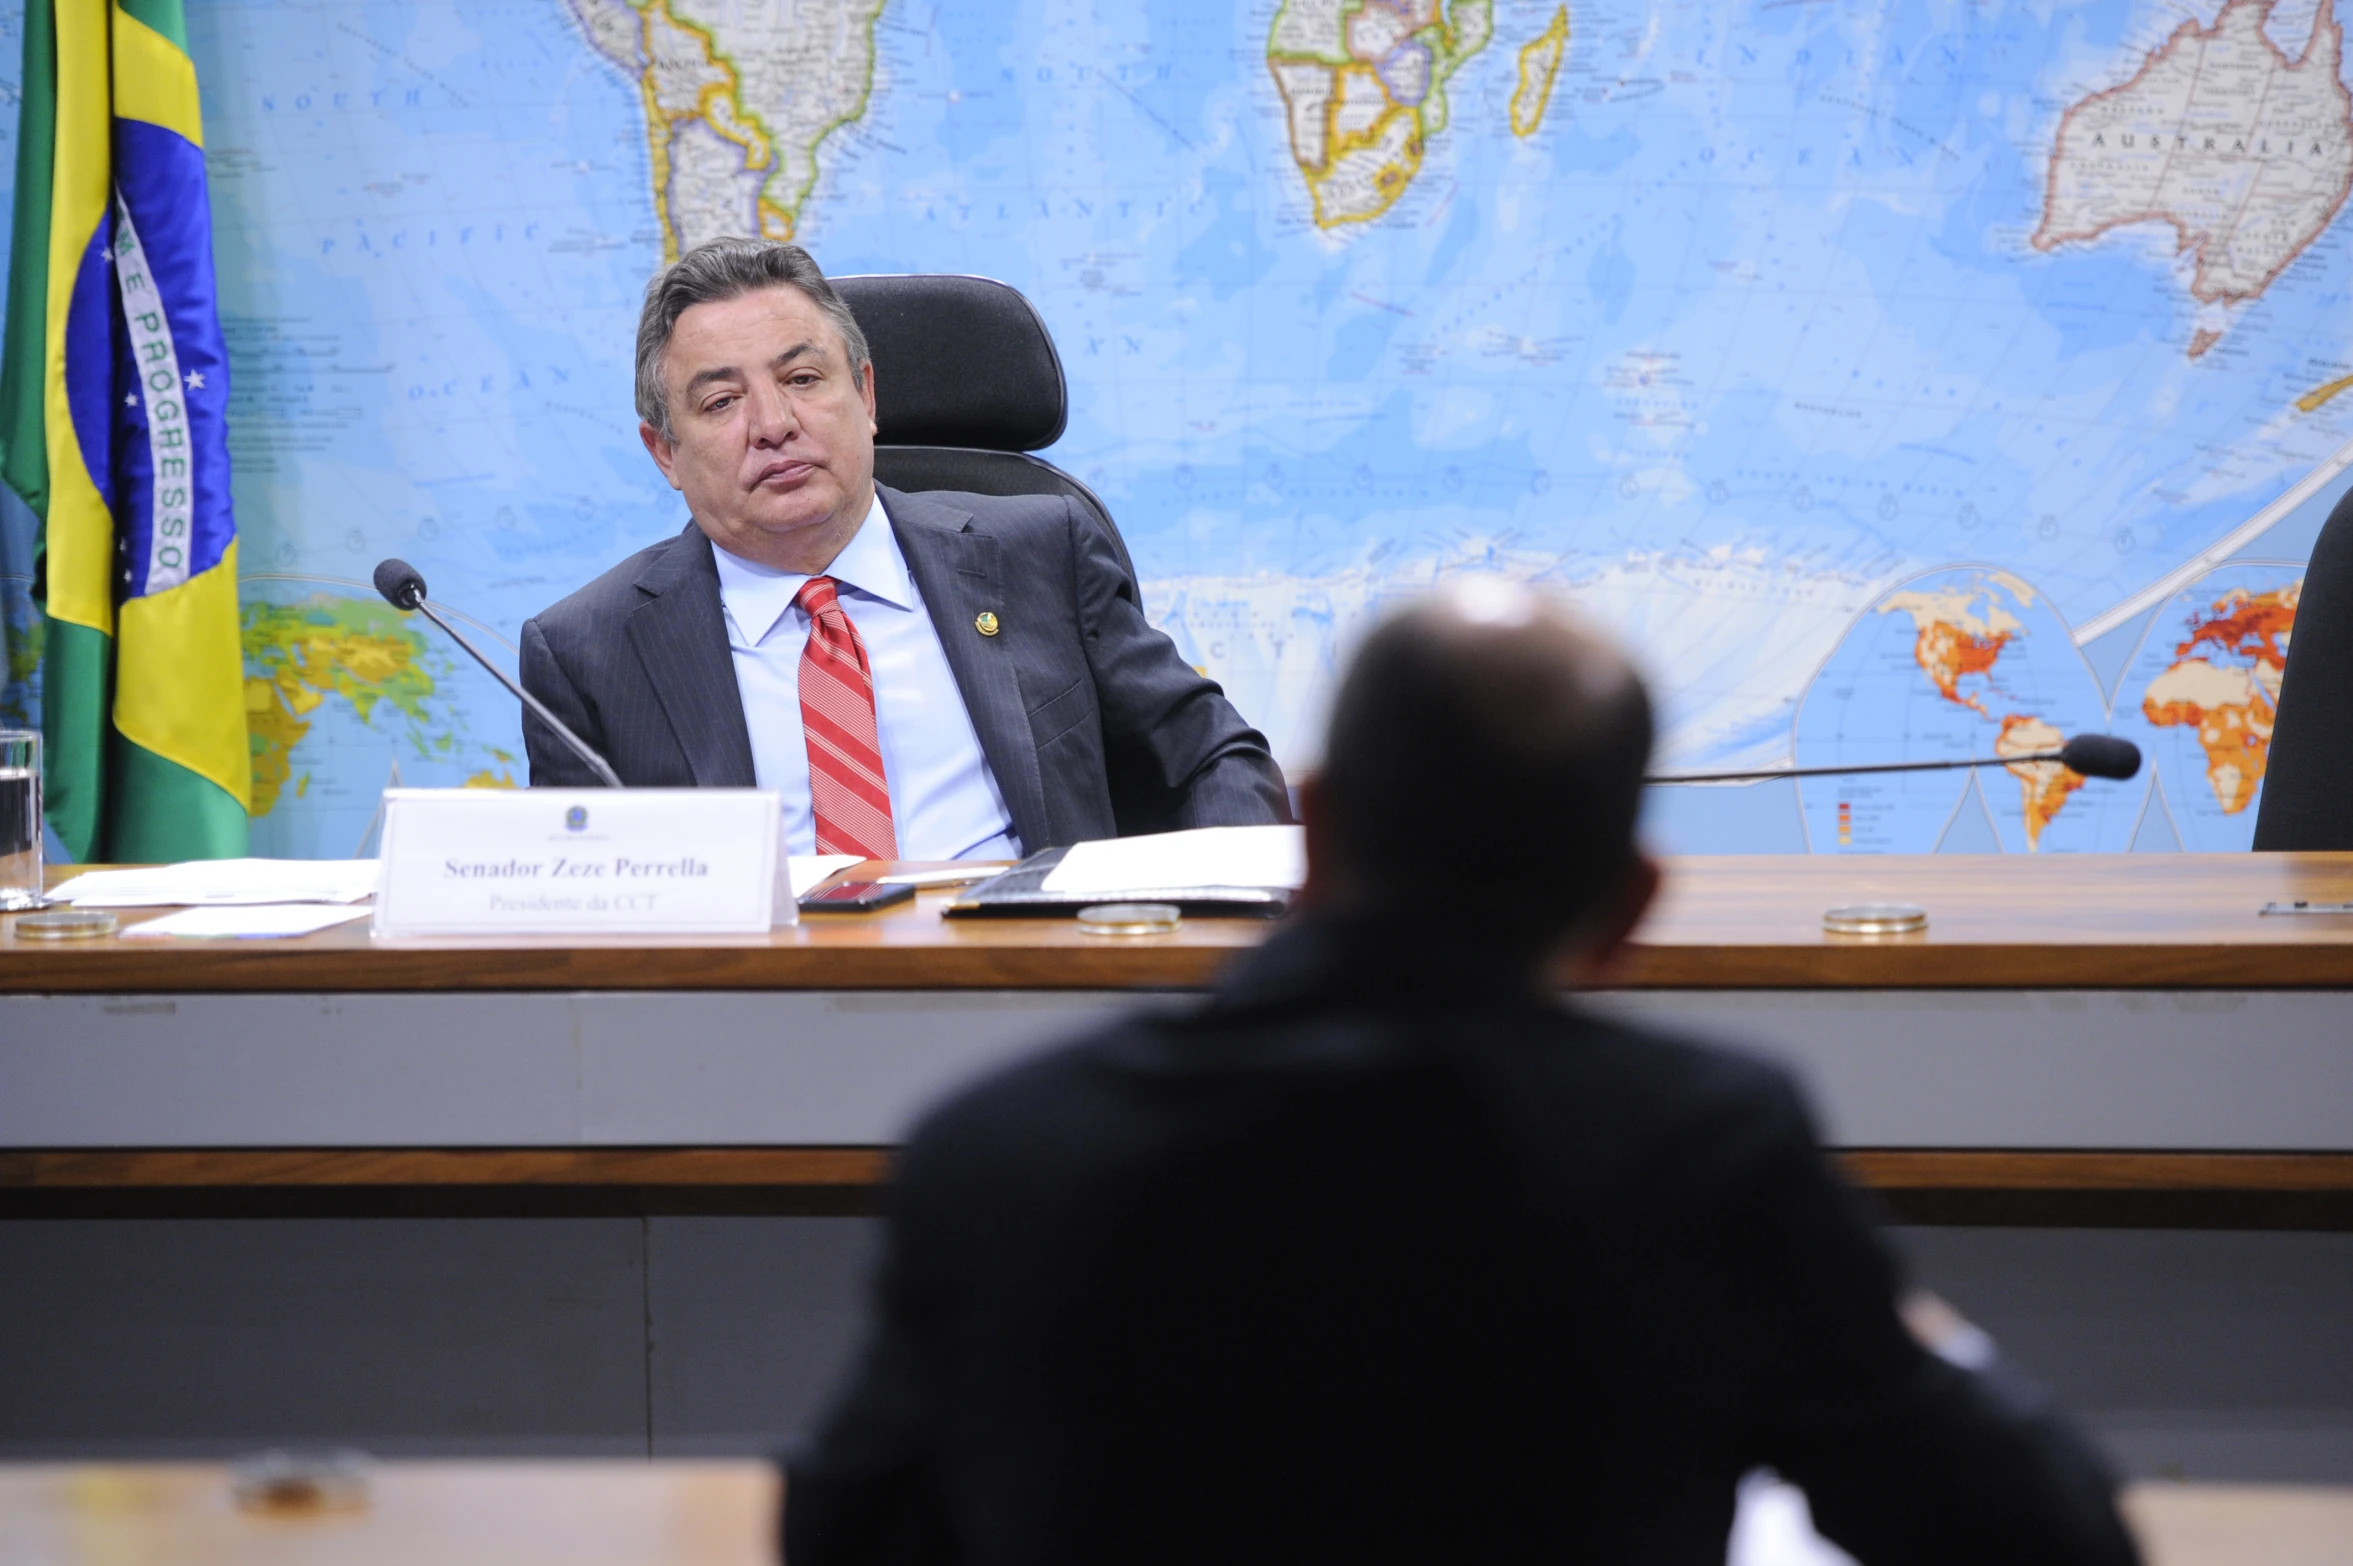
column 1959, row 636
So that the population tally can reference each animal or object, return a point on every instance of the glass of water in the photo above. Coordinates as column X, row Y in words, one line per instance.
column 20, row 819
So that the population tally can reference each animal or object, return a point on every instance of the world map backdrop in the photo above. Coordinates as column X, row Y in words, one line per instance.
column 1901, row 380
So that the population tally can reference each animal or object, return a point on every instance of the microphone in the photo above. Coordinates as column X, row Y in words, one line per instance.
column 403, row 587
column 2101, row 756
column 2089, row 755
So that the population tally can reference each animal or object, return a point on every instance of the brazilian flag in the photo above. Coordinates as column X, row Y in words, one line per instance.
column 114, row 393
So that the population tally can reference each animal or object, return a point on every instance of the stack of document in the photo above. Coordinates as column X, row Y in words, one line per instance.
column 1129, row 869
column 217, row 882
column 807, row 870
column 1245, row 871
column 245, row 922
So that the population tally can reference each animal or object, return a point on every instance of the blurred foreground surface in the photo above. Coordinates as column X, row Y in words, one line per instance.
column 600, row 1513
column 630, row 1513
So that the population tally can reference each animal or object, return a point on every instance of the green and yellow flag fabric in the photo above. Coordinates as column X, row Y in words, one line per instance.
column 114, row 392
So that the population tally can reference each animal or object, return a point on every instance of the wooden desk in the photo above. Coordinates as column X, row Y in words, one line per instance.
column 418, row 1514
column 2241, row 1525
column 2000, row 922
column 722, row 1514
column 2119, row 1036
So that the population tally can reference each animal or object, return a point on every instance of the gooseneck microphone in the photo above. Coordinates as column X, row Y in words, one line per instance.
column 2091, row 755
column 403, row 587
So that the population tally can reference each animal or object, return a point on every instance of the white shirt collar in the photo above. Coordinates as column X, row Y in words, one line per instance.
column 757, row 597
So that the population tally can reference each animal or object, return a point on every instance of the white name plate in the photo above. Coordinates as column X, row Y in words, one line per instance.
column 579, row 861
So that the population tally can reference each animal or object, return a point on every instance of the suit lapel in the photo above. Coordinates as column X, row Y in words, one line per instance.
column 680, row 637
column 959, row 574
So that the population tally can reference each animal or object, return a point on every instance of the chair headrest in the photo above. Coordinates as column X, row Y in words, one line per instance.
column 958, row 361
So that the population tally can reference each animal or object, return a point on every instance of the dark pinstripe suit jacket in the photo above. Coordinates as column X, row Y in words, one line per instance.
column 1091, row 721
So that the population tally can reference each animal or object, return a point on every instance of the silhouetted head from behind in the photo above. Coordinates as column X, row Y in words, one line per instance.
column 1481, row 779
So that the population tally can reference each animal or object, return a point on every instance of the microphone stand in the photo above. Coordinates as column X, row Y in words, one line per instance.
column 578, row 746
column 1877, row 766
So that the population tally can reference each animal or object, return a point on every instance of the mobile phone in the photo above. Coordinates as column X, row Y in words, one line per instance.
column 855, row 897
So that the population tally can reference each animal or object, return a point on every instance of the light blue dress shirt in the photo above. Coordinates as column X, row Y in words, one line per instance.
column 945, row 803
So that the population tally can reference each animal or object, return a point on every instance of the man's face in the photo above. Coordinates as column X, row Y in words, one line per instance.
column 771, row 437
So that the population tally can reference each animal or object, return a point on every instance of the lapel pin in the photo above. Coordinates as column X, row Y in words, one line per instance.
column 985, row 622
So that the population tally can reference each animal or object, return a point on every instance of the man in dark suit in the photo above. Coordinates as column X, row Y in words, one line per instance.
column 1386, row 1254
column 931, row 676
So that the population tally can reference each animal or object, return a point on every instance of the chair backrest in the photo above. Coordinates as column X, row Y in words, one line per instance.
column 966, row 385
column 2308, row 776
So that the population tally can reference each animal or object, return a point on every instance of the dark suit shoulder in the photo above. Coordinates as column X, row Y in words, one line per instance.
column 1026, row 516
column 615, row 592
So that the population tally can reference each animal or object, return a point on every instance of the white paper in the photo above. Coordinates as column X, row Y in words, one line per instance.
column 1200, row 860
column 223, row 882
column 247, row 921
column 981, row 870
column 809, row 869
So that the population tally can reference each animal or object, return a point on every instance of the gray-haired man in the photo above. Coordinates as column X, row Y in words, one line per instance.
column 936, row 676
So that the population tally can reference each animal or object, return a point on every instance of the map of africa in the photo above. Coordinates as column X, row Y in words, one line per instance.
column 2207, row 675
column 1901, row 381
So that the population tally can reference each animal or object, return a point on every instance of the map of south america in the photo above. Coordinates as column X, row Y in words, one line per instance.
column 2246, row 153
column 1960, row 636
column 739, row 97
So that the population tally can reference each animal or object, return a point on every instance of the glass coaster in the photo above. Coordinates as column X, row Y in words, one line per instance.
column 73, row 924
column 1875, row 919
column 1129, row 919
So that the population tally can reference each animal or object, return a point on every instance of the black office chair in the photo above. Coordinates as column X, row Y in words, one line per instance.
column 966, row 385
column 2308, row 777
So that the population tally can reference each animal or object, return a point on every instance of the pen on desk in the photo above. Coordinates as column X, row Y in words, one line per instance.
column 962, row 875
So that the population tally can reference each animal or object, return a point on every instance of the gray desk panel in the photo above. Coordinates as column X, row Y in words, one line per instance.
column 793, row 1069
column 287, row 1070
column 2081, row 1069
column 2181, row 1070
column 471, row 1070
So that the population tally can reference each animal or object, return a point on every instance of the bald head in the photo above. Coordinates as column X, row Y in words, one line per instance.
column 1484, row 764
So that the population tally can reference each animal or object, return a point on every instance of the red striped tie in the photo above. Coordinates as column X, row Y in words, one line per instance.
column 847, row 790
